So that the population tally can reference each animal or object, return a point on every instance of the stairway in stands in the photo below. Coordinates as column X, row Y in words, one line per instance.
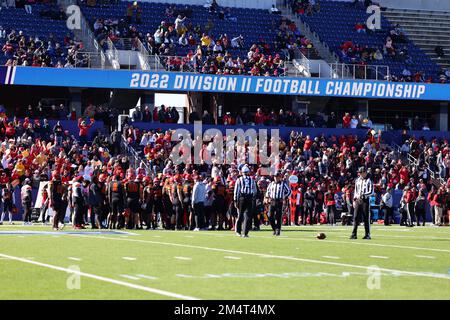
column 426, row 28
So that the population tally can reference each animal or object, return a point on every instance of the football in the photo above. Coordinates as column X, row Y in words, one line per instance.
column 321, row 236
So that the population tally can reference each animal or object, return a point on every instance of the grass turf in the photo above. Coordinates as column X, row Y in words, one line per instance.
column 414, row 264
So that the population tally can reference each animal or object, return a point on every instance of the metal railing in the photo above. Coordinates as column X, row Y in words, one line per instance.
column 363, row 72
column 87, row 37
column 415, row 162
column 113, row 54
column 135, row 159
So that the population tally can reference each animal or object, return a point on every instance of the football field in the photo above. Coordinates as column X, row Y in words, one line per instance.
column 398, row 263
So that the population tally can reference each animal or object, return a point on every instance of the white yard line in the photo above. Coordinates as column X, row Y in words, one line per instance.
column 129, row 277
column 179, row 245
column 355, row 242
column 146, row 277
column 104, row 279
column 425, row 257
column 74, row 259
column 379, row 257
column 183, row 258
column 129, row 258
column 331, row 257
column 232, row 258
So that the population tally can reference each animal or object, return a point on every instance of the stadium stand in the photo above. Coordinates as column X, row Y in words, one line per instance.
column 38, row 37
column 209, row 37
column 344, row 19
column 428, row 30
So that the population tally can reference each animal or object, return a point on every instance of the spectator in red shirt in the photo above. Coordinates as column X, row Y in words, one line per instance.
column 346, row 121
column 307, row 147
column 228, row 119
column 404, row 174
column 84, row 129
column 259, row 117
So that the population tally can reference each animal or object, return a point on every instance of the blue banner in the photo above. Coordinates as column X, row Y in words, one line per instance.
column 182, row 82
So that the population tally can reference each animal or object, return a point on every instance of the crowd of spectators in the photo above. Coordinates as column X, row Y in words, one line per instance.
column 208, row 53
column 22, row 49
column 33, row 151
column 322, row 164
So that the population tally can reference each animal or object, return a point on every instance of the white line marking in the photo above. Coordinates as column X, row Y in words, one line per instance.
column 183, row 258
column 104, row 279
column 128, row 258
column 189, row 236
column 74, row 259
column 232, row 258
column 13, row 76
column 425, row 257
column 379, row 257
column 8, row 72
column 146, row 277
column 156, row 236
column 331, row 257
column 414, row 273
column 129, row 277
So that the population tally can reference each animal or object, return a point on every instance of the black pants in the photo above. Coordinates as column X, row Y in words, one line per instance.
column 275, row 214
column 199, row 215
column 178, row 209
column 305, row 213
column 331, row 212
column 361, row 214
column 387, row 215
column 244, row 219
column 60, row 213
column 96, row 211
column 26, row 211
column 420, row 213
column 78, row 219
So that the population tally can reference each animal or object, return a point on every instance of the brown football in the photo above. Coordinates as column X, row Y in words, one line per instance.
column 321, row 236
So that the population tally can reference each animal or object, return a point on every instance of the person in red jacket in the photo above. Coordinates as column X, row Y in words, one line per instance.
column 10, row 130
column 409, row 197
column 307, row 147
column 430, row 199
column 438, row 201
column 84, row 130
column 346, row 121
column 259, row 117
column 228, row 119
column 330, row 206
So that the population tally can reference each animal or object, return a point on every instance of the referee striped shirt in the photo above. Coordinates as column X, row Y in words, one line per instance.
column 245, row 186
column 363, row 188
column 278, row 190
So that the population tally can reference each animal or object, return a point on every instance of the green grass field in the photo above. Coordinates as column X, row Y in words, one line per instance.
column 398, row 263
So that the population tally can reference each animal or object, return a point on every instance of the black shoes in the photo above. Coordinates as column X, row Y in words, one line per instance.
column 353, row 238
column 367, row 237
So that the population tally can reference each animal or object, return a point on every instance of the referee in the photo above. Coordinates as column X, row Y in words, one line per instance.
column 276, row 193
column 244, row 192
column 363, row 190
